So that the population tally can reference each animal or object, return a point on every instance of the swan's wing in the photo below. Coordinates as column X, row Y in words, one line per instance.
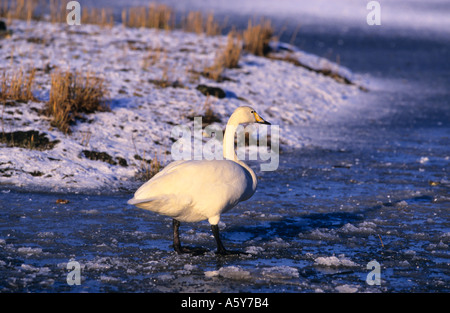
column 196, row 178
column 198, row 188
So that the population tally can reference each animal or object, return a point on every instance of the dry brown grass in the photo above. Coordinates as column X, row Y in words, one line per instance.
column 212, row 27
column 210, row 116
column 17, row 86
column 155, row 55
column 102, row 17
column 146, row 168
column 19, row 9
column 154, row 16
column 98, row 16
column 214, row 71
column 257, row 37
column 195, row 22
column 71, row 95
column 58, row 13
column 226, row 58
column 230, row 56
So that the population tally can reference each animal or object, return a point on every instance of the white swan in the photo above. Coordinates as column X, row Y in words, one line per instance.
column 196, row 190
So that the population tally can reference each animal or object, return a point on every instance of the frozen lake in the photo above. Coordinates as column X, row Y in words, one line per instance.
column 376, row 192
column 371, row 183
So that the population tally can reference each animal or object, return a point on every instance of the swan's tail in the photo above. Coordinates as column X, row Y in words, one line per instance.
column 155, row 204
column 135, row 201
column 149, row 201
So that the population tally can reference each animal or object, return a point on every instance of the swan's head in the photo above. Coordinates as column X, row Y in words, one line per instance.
column 246, row 114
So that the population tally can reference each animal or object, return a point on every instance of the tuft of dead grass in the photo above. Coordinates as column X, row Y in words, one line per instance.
column 226, row 58
column 19, row 9
column 17, row 86
column 210, row 116
column 98, row 16
column 147, row 167
column 212, row 27
column 257, row 37
column 195, row 22
column 229, row 57
column 214, row 71
column 71, row 95
column 154, row 16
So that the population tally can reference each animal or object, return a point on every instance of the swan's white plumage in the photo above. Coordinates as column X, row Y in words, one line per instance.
column 196, row 190
column 192, row 191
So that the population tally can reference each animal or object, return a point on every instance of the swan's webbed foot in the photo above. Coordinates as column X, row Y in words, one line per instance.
column 189, row 250
column 229, row 252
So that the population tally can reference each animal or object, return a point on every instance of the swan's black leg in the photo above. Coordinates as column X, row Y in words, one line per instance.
column 176, row 236
column 220, row 247
column 177, row 243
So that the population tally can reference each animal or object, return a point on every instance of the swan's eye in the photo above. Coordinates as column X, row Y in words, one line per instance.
column 252, row 112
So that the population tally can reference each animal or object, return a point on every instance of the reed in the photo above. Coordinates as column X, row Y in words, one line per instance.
column 226, row 58
column 195, row 22
column 71, row 95
column 146, row 168
column 20, row 9
column 257, row 37
column 17, row 86
column 231, row 54
column 158, row 16
column 98, row 16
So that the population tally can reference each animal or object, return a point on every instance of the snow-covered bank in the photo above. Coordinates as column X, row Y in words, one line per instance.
column 143, row 114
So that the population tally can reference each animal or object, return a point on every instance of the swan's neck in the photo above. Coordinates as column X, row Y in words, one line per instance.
column 229, row 152
column 228, row 141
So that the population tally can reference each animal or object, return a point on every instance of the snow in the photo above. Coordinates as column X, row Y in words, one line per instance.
column 29, row 250
column 280, row 272
column 143, row 115
column 347, row 288
column 275, row 273
column 230, row 272
column 254, row 250
column 334, row 261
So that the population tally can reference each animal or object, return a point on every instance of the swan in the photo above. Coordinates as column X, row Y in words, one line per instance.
column 197, row 190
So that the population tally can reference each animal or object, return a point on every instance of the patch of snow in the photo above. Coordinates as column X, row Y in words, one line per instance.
column 254, row 250
column 211, row 273
column 362, row 228
column 280, row 272
column 333, row 261
column 347, row 289
column 230, row 272
column 29, row 251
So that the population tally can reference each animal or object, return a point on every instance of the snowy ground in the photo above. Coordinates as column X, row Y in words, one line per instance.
column 143, row 115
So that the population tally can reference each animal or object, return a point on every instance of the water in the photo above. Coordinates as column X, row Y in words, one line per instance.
column 371, row 183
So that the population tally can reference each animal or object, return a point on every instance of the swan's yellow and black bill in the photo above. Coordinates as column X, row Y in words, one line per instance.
column 260, row 120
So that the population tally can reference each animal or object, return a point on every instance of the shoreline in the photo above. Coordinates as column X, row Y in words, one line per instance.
column 142, row 115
